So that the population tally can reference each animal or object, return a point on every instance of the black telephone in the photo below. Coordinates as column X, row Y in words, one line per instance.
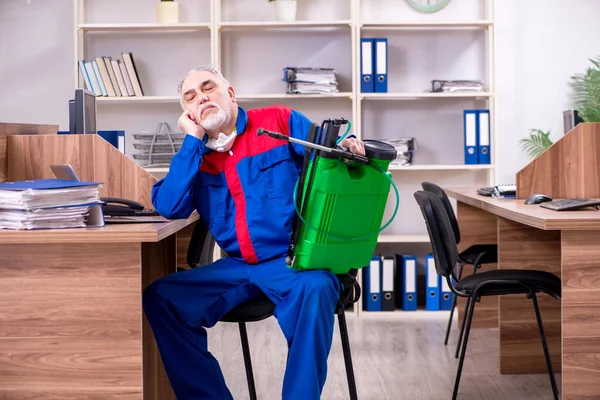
column 126, row 208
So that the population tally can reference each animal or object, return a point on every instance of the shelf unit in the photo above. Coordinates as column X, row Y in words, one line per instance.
column 350, row 25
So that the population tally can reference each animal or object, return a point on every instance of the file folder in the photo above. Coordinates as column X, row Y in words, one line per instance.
column 367, row 57
column 387, row 285
column 446, row 295
column 116, row 138
column 381, row 65
column 372, row 286
column 470, row 128
column 406, row 270
column 483, row 129
column 432, row 299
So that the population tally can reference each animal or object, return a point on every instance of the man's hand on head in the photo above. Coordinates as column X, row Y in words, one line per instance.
column 354, row 145
column 187, row 123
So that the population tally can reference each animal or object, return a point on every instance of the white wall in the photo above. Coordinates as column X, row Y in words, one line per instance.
column 540, row 44
column 36, row 61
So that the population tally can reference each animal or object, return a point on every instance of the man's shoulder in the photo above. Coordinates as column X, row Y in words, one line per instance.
column 276, row 109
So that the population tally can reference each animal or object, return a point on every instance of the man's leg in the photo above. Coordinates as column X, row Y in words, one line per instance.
column 178, row 308
column 305, row 304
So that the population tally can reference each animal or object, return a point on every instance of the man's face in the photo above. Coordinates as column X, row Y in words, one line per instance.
column 209, row 99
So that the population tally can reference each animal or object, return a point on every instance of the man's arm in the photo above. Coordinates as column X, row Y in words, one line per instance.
column 173, row 196
column 299, row 125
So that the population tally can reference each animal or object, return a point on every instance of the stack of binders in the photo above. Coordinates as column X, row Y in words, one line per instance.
column 477, row 136
column 438, row 294
column 374, row 65
column 378, row 279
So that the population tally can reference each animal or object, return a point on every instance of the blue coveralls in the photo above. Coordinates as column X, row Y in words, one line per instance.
column 245, row 196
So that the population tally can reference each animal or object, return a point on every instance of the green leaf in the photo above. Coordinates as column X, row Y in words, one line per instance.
column 536, row 143
column 586, row 92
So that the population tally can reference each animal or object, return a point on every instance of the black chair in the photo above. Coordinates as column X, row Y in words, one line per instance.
column 475, row 255
column 200, row 252
column 486, row 283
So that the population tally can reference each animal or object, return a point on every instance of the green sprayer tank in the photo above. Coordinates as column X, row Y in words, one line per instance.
column 343, row 207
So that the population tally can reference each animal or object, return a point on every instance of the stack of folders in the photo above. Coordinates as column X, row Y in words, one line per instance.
column 391, row 282
column 477, row 136
column 310, row 80
column 438, row 294
column 374, row 65
column 405, row 150
column 48, row 204
column 457, row 86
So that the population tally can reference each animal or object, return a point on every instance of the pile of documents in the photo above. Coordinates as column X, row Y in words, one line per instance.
column 405, row 148
column 310, row 80
column 46, row 203
column 457, row 86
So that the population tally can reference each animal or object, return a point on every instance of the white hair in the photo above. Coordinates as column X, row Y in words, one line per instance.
column 208, row 68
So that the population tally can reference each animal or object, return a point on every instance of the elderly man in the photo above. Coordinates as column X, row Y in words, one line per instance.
column 242, row 186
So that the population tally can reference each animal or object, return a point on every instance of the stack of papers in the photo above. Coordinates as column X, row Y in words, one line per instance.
column 47, row 203
column 310, row 80
column 457, row 86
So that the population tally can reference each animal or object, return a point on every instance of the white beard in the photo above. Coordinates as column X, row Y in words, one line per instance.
column 215, row 120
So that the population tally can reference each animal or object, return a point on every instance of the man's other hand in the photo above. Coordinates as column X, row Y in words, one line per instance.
column 187, row 123
column 354, row 145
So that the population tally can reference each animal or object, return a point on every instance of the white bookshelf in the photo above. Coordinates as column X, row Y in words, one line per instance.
column 245, row 41
column 441, row 167
column 285, row 24
column 424, row 95
column 427, row 25
column 403, row 239
column 143, row 27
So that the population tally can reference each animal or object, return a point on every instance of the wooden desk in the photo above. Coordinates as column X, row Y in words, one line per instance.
column 565, row 243
column 71, row 323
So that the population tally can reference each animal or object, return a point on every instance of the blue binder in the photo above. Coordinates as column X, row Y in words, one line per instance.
column 372, row 286
column 447, row 296
column 406, row 267
column 470, row 135
column 116, row 138
column 44, row 184
column 381, row 65
column 483, row 136
column 367, row 60
column 432, row 299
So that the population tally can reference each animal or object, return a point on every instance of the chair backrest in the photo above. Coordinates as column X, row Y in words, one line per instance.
column 202, row 244
column 442, row 239
column 439, row 192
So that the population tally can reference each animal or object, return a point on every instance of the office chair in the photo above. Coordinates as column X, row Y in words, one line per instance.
column 475, row 255
column 486, row 283
column 200, row 252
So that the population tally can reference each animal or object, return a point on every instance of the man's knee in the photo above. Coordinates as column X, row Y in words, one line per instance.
column 322, row 284
column 152, row 296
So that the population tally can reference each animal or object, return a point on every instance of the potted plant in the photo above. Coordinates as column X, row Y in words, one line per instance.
column 536, row 143
column 586, row 92
column 586, row 96
column 286, row 9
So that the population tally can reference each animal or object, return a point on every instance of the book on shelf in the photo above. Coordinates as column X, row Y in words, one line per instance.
column 111, row 78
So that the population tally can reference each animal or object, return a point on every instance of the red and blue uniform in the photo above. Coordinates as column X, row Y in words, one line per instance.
column 245, row 196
